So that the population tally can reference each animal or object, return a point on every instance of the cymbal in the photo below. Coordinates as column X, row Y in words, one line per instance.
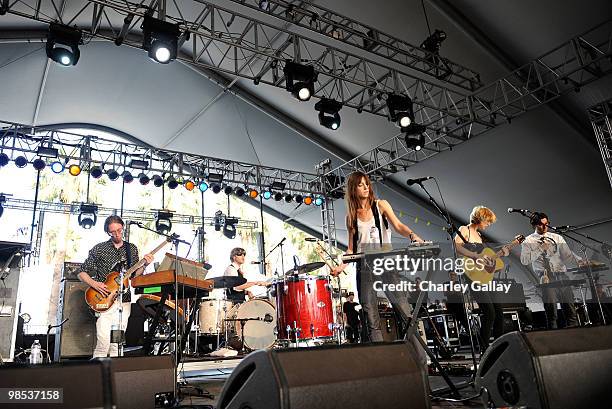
column 306, row 268
column 228, row 281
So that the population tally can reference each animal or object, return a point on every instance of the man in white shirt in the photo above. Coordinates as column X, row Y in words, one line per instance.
column 549, row 252
column 235, row 269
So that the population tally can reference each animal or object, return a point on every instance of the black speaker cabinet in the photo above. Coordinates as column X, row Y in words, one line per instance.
column 82, row 384
column 137, row 380
column 372, row 376
column 77, row 337
column 568, row 368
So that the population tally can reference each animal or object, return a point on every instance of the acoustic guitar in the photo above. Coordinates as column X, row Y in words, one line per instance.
column 485, row 275
column 100, row 303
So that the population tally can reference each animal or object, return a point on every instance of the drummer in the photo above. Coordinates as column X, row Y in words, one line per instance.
column 235, row 269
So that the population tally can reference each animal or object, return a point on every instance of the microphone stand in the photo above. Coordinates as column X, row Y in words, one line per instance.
column 451, row 229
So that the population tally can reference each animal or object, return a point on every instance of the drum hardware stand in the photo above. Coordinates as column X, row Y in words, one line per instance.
column 118, row 335
column 587, row 319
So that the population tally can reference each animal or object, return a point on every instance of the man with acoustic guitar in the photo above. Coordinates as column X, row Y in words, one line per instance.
column 105, row 258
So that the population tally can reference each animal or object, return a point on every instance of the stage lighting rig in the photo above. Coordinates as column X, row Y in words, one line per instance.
column 229, row 227
column 2, row 200
column 63, row 44
column 46, row 152
column 95, row 172
column 219, row 220
column 143, row 179
column 39, row 164
column 163, row 222
column 400, row 109
column 160, row 39
column 415, row 143
column 328, row 113
column 88, row 215
column 300, row 79
column 4, row 159
column 434, row 42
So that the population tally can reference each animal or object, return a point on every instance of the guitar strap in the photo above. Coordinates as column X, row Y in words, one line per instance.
column 377, row 218
column 128, row 255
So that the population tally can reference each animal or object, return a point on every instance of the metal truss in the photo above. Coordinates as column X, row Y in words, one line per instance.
column 135, row 215
column 328, row 215
column 567, row 68
column 89, row 151
column 351, row 32
column 225, row 41
column 601, row 120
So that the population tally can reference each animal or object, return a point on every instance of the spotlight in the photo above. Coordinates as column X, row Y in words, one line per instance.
column 172, row 182
column 139, row 164
column 95, row 172
column 300, row 80
column 127, row 177
column 216, row 188
column 189, row 185
column 163, row 224
column 74, row 170
column 277, row 186
column 253, row 193
column 267, row 194
column 4, row 159
column 47, row 152
column 229, row 228
column 278, row 197
column 21, row 161
column 215, row 178
column 219, row 220
column 415, row 143
column 239, row 192
column 143, row 179
column 228, row 190
column 434, row 42
column 299, row 199
column 328, row 113
column 63, row 44
column 308, row 200
column 203, row 186
column 158, row 181
column 400, row 109
column 57, row 167
column 112, row 174
column 160, row 39
column 288, row 198
column 88, row 215
column 414, row 129
column 2, row 200
column 318, row 201
column 39, row 164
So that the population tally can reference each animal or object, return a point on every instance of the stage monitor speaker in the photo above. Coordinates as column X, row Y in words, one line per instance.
column 77, row 337
column 372, row 376
column 82, row 384
column 567, row 368
column 137, row 381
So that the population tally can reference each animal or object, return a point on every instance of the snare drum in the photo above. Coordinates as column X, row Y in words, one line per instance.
column 258, row 330
column 211, row 315
column 304, row 305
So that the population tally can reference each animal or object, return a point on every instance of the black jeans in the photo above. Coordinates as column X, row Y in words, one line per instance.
column 492, row 319
column 563, row 295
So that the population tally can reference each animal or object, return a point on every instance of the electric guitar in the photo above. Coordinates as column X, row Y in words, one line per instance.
column 485, row 275
column 100, row 303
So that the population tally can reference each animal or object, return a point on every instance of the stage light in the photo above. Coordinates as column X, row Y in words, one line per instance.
column 163, row 224
column 57, row 167
column 415, row 143
column 39, row 164
column 160, row 39
column 434, row 42
column 414, row 129
column 47, row 152
column 74, row 170
column 127, row 177
column 278, row 196
column 318, row 201
column 299, row 80
column 229, row 227
column 143, row 179
column 88, row 215
column 328, row 113
column 216, row 188
column 21, row 161
column 253, row 193
column 228, row 190
column 288, row 197
column 203, row 186
column 267, row 194
column 400, row 109
column 172, row 182
column 299, row 199
column 189, row 185
column 139, row 164
column 158, row 181
column 308, row 200
column 112, row 174
column 4, row 159
column 2, row 200
column 63, row 44
column 95, row 172
column 277, row 186
column 215, row 178
column 239, row 192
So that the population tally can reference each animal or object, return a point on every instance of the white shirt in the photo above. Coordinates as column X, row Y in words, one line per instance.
column 367, row 233
column 558, row 253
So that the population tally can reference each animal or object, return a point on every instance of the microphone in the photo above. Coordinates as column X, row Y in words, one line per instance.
column 411, row 182
column 311, row 239
column 563, row 228
column 256, row 262
column 524, row 212
column 268, row 318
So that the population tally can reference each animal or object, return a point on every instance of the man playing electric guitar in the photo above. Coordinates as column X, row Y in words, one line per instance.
column 104, row 258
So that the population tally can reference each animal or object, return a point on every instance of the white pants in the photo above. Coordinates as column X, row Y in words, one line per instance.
column 103, row 329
